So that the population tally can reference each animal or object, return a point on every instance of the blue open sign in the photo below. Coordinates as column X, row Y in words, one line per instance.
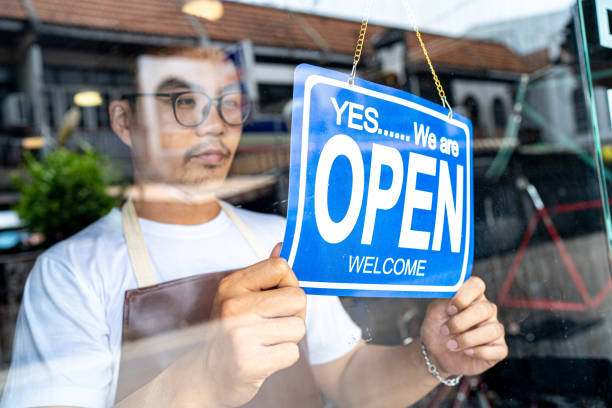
column 380, row 191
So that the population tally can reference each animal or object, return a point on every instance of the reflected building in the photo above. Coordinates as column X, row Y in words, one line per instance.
column 49, row 52
column 518, row 81
column 548, row 43
column 478, row 76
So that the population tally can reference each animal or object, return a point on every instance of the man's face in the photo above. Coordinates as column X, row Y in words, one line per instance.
column 193, row 147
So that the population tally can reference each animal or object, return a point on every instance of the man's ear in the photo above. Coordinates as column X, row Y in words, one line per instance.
column 120, row 116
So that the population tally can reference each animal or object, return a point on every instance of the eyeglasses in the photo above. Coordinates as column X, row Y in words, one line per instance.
column 191, row 108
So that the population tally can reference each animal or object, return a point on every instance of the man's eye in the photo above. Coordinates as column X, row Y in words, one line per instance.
column 186, row 102
column 231, row 103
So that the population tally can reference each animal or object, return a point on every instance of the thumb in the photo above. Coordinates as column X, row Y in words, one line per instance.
column 276, row 251
column 437, row 310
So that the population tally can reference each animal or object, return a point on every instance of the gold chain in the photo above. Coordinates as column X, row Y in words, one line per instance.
column 360, row 40
column 433, row 71
column 359, row 47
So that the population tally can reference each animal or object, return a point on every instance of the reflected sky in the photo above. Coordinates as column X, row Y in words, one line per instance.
column 452, row 17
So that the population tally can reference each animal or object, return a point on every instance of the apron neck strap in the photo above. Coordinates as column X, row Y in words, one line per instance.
column 253, row 241
column 139, row 255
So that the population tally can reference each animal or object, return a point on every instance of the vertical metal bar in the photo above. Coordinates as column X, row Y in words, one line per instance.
column 585, row 68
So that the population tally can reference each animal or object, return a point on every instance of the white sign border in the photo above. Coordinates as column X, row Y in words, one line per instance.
column 602, row 7
column 313, row 80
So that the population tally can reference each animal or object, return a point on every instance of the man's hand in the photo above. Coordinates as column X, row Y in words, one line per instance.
column 260, row 314
column 463, row 335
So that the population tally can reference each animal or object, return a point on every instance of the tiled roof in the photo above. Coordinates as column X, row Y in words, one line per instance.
column 464, row 53
column 262, row 25
column 342, row 35
column 12, row 9
column 141, row 16
column 538, row 59
column 275, row 27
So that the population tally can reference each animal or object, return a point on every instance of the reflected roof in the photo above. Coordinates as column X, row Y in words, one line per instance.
column 466, row 53
column 264, row 26
column 13, row 9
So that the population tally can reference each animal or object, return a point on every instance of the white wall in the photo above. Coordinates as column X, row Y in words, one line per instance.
column 552, row 98
column 484, row 92
column 392, row 60
column 277, row 74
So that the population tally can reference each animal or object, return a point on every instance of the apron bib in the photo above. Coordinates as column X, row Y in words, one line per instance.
column 162, row 322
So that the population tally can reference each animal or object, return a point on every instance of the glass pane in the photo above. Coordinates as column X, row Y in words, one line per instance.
column 145, row 154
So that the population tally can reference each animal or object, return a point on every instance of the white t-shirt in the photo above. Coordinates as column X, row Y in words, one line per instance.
column 68, row 336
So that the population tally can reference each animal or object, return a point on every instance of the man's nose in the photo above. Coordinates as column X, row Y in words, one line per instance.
column 213, row 125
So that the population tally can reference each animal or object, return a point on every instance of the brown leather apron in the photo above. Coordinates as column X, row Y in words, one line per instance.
column 162, row 322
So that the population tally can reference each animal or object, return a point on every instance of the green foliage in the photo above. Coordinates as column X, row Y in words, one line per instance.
column 64, row 192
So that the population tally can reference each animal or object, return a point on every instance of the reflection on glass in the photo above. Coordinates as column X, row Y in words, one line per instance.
column 536, row 86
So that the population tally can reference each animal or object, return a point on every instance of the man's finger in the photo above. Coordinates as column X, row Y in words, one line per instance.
column 480, row 336
column 271, row 273
column 492, row 353
column 281, row 302
column 274, row 358
column 475, row 314
column 276, row 251
column 472, row 290
column 280, row 330
column 267, row 274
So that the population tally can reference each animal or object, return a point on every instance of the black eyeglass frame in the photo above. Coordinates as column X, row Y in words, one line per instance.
column 175, row 95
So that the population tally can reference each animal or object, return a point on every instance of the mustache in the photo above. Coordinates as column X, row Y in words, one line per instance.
column 204, row 147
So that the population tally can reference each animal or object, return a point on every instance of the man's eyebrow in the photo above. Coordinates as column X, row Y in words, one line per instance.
column 231, row 87
column 174, row 83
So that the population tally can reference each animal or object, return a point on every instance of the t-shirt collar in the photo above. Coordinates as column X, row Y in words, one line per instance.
column 207, row 229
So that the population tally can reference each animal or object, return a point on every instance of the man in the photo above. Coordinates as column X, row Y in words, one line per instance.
column 183, row 128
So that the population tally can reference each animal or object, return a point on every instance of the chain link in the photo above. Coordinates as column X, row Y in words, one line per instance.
column 360, row 40
column 433, row 71
column 450, row 382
